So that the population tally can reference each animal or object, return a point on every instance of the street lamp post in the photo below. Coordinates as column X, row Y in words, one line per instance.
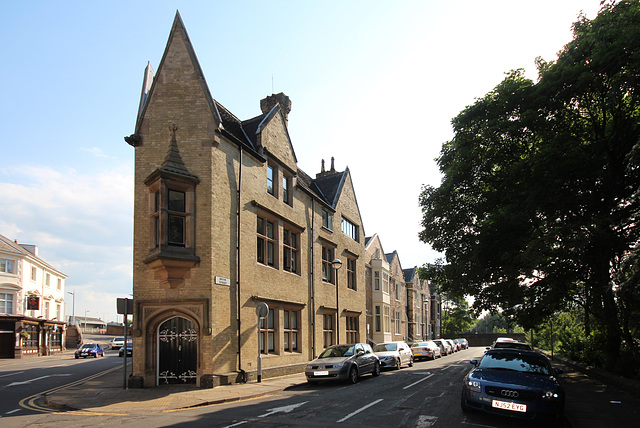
column 73, row 317
column 337, row 264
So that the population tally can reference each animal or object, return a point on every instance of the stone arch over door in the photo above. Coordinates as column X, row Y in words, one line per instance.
column 177, row 351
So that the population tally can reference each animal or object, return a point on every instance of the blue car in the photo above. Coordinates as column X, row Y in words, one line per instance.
column 89, row 350
column 514, row 383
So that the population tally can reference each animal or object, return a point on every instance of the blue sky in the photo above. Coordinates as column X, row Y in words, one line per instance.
column 374, row 84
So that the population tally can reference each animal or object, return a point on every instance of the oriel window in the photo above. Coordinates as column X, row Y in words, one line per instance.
column 177, row 218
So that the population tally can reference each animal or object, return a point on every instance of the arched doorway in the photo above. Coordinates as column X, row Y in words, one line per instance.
column 177, row 351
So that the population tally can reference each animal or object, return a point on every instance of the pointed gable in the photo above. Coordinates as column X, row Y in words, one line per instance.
column 182, row 70
column 374, row 250
column 272, row 136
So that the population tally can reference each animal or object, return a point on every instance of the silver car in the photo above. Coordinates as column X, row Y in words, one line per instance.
column 343, row 362
column 394, row 354
column 424, row 350
column 445, row 347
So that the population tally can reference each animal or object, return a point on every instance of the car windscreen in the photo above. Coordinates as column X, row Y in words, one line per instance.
column 89, row 345
column 337, row 351
column 513, row 345
column 526, row 363
column 420, row 345
column 383, row 347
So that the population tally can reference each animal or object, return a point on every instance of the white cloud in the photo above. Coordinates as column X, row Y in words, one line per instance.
column 81, row 223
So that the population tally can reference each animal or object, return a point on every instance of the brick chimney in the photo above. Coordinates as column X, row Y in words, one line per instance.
column 270, row 101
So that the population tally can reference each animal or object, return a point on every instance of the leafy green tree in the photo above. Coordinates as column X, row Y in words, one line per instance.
column 538, row 205
column 457, row 316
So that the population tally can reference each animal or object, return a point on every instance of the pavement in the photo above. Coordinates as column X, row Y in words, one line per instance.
column 106, row 394
column 594, row 399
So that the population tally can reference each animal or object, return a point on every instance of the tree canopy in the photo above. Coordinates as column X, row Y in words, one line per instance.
column 537, row 209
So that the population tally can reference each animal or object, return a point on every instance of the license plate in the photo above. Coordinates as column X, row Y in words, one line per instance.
column 507, row 405
column 321, row 373
column 418, row 353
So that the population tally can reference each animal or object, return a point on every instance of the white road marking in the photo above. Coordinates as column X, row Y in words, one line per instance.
column 11, row 374
column 360, row 410
column 12, row 411
column 283, row 409
column 38, row 378
column 426, row 421
column 417, row 382
column 236, row 424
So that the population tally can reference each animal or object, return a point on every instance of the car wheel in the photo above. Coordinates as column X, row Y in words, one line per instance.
column 410, row 361
column 353, row 375
column 376, row 369
column 95, row 355
column 398, row 364
column 77, row 357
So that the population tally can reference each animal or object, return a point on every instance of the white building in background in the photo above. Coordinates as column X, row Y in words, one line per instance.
column 31, row 302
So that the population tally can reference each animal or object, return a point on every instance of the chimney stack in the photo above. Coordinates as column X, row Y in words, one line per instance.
column 270, row 101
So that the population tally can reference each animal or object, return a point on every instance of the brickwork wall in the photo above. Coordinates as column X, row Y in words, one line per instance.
column 178, row 98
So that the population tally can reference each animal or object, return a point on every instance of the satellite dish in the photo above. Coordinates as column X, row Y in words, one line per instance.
column 262, row 310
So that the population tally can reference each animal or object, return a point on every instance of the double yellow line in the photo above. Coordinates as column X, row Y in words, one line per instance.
column 29, row 403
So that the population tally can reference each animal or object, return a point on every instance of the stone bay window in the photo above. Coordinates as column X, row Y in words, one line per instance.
column 171, row 190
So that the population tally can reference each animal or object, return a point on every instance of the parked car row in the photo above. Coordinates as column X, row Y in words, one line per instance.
column 349, row 362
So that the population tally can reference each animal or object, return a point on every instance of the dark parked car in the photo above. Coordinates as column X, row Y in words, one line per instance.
column 343, row 362
column 518, row 384
column 129, row 350
column 89, row 350
column 464, row 343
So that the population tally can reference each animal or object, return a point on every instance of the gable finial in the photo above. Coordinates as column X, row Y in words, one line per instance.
column 172, row 131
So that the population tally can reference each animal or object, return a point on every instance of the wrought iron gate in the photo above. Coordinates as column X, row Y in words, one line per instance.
column 177, row 351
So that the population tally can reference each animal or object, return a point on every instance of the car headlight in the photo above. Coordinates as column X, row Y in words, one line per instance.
column 550, row 395
column 338, row 365
column 474, row 385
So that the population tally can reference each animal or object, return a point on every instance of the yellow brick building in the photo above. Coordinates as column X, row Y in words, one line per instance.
column 225, row 220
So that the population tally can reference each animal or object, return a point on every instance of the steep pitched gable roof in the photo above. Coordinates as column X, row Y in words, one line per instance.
column 227, row 123
column 178, row 30
column 331, row 186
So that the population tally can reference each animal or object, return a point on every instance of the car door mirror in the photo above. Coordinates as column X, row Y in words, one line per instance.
column 360, row 352
column 474, row 362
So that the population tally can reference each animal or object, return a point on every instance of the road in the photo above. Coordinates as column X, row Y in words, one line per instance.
column 425, row 395
column 23, row 382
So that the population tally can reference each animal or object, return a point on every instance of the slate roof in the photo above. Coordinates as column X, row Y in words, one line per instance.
column 325, row 188
column 409, row 274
